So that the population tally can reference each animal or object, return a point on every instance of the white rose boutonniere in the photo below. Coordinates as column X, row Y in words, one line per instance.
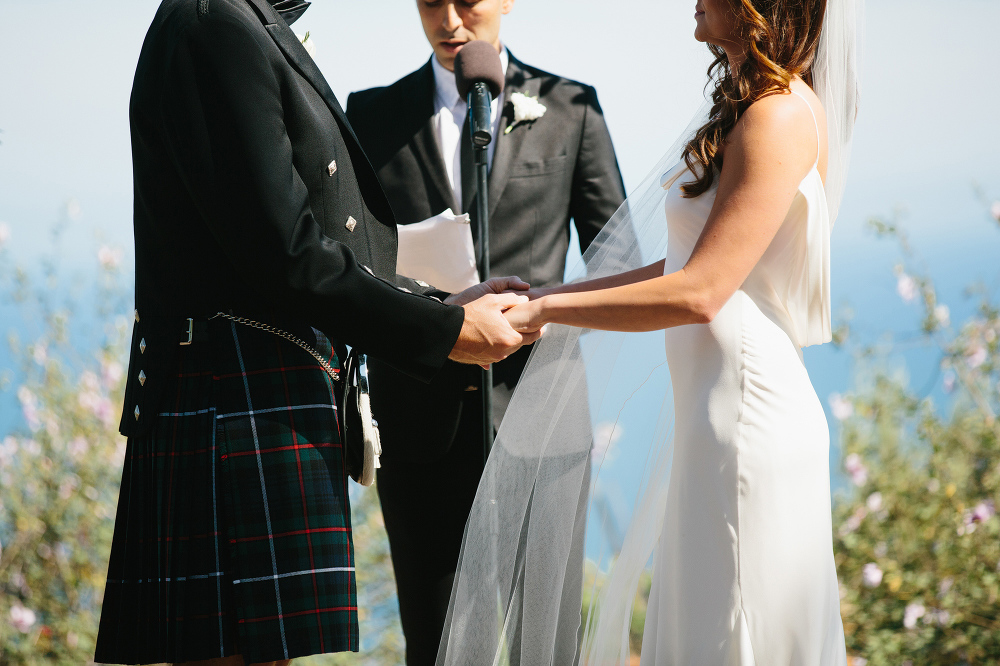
column 309, row 44
column 526, row 109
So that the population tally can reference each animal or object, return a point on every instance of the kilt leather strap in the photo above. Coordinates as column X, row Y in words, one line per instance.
column 330, row 370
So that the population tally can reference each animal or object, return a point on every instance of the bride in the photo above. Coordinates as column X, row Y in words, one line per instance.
column 739, row 507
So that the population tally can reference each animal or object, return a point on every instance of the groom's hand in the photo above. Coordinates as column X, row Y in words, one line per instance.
column 487, row 336
column 495, row 285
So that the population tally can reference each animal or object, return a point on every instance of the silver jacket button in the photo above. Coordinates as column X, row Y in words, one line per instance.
column 351, row 223
column 142, row 346
column 332, row 168
column 142, row 378
column 136, row 412
column 421, row 283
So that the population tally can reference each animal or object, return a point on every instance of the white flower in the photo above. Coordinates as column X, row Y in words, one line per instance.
column 913, row 612
column 906, row 287
column 4, row 234
column 841, row 407
column 943, row 315
column 856, row 468
column 110, row 258
column 40, row 354
column 526, row 109
column 308, row 43
column 871, row 575
column 874, row 502
column 22, row 618
column 976, row 356
column 995, row 210
column 933, row 485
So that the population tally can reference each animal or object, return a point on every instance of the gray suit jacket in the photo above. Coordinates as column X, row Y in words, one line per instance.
column 547, row 173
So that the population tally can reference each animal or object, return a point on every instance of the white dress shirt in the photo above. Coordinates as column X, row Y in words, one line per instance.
column 450, row 116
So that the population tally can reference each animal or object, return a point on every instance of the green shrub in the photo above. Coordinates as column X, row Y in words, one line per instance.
column 916, row 537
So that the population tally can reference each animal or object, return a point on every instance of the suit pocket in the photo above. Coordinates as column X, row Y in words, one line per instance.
column 539, row 167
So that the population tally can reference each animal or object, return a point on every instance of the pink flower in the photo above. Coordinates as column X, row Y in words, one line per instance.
column 871, row 575
column 949, row 382
column 983, row 511
column 874, row 502
column 906, row 287
column 854, row 521
column 912, row 613
column 29, row 406
column 841, row 407
column 856, row 468
column 22, row 618
column 110, row 258
column 111, row 373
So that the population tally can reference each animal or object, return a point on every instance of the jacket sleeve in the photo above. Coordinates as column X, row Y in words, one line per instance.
column 225, row 130
column 598, row 190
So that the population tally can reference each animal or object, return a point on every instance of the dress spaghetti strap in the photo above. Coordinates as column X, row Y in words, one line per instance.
column 815, row 122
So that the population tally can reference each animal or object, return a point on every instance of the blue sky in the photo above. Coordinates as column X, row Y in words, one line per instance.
column 927, row 132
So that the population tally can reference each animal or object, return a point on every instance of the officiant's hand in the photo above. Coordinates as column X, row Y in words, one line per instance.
column 495, row 285
column 486, row 335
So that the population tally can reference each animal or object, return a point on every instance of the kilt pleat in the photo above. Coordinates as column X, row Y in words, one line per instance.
column 233, row 532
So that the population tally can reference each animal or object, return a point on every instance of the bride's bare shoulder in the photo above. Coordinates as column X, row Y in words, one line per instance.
column 782, row 126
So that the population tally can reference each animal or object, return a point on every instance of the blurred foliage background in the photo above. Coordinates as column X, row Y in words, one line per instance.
column 917, row 539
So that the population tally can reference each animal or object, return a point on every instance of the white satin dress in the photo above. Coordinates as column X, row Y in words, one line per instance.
column 744, row 573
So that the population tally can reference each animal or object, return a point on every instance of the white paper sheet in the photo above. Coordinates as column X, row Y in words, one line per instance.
column 439, row 251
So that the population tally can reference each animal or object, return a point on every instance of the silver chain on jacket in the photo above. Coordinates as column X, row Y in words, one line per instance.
column 330, row 370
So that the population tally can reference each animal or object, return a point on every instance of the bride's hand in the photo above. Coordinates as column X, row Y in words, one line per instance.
column 532, row 294
column 526, row 318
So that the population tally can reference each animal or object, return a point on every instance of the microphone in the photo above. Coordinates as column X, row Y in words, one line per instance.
column 479, row 76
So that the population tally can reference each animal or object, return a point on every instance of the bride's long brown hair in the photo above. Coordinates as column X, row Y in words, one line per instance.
column 781, row 38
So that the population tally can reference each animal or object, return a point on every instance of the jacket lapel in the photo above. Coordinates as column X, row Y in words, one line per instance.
column 425, row 144
column 300, row 59
column 518, row 79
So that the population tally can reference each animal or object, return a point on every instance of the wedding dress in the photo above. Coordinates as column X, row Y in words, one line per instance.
column 744, row 573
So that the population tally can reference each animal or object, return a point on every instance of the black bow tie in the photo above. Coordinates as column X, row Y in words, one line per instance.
column 290, row 10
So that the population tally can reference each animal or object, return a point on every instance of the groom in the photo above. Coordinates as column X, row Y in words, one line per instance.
column 545, row 172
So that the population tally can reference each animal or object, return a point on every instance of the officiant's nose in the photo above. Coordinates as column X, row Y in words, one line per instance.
column 450, row 24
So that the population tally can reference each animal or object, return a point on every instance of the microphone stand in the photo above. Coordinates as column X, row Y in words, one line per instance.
column 481, row 126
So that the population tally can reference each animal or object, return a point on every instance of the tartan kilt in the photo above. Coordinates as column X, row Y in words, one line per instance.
column 233, row 531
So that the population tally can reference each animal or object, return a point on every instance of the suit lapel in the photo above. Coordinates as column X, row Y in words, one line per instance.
column 424, row 142
column 509, row 145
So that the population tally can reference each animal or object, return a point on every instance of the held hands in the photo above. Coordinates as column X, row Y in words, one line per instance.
column 486, row 336
column 528, row 317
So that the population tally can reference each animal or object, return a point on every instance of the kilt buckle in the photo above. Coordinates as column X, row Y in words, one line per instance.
column 190, row 332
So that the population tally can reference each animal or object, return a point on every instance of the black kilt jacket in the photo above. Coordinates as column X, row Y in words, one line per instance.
column 252, row 197
column 253, row 194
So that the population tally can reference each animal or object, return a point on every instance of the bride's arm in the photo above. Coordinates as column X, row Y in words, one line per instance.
column 768, row 153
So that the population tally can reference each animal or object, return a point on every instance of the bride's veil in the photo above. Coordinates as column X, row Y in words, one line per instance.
column 521, row 577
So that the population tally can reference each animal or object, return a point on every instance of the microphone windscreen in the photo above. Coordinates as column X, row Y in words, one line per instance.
column 476, row 62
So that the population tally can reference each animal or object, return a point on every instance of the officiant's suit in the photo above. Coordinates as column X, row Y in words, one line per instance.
column 545, row 174
column 253, row 198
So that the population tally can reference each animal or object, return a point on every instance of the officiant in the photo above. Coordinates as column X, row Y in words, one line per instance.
column 552, row 164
